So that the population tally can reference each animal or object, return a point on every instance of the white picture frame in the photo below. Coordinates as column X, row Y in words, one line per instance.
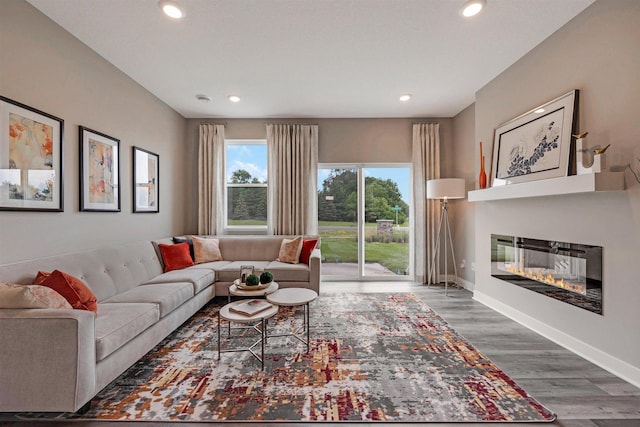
column 537, row 144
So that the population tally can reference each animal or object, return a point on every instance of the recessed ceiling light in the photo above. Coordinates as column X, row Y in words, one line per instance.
column 234, row 98
column 203, row 98
column 539, row 111
column 473, row 7
column 172, row 9
column 405, row 97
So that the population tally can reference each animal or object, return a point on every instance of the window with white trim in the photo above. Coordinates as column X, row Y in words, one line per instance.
column 245, row 184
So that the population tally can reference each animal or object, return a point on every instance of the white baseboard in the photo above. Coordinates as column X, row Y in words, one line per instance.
column 466, row 284
column 456, row 280
column 606, row 361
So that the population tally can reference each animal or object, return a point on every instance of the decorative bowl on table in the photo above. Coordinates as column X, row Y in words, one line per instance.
column 252, row 283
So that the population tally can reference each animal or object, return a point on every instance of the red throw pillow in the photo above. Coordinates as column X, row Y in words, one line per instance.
column 176, row 257
column 71, row 288
column 307, row 247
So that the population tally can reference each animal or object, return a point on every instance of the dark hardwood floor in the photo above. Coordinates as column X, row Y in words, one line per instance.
column 579, row 392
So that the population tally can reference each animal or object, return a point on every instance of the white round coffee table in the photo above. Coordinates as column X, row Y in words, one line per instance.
column 258, row 322
column 290, row 297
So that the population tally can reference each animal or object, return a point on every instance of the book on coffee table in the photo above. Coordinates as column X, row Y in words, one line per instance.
column 250, row 307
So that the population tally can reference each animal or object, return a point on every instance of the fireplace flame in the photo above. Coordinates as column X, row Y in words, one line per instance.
column 538, row 275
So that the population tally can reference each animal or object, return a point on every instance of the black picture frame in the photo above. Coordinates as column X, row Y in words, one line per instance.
column 99, row 171
column 146, row 181
column 537, row 144
column 31, row 159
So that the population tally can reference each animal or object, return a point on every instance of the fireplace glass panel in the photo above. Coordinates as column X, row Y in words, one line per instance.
column 569, row 272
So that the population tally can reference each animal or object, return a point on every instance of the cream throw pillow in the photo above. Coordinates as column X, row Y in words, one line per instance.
column 290, row 250
column 206, row 250
column 30, row 296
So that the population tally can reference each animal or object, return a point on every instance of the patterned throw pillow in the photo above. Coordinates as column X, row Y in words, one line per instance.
column 206, row 250
column 307, row 247
column 175, row 257
column 290, row 250
column 74, row 290
column 30, row 296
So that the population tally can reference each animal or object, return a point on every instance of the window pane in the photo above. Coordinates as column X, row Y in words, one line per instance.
column 246, row 163
column 247, row 206
column 338, row 221
column 386, row 211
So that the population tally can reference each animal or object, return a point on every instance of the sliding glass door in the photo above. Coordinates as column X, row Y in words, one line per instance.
column 363, row 221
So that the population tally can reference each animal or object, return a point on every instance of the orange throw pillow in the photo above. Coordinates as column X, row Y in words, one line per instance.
column 71, row 288
column 307, row 247
column 176, row 257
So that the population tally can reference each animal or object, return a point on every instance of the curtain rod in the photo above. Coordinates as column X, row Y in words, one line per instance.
column 304, row 124
column 212, row 123
column 424, row 123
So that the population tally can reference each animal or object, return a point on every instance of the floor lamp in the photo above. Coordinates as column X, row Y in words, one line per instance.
column 444, row 189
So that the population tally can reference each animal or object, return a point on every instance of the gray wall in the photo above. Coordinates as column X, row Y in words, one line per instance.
column 598, row 52
column 339, row 141
column 463, row 212
column 43, row 66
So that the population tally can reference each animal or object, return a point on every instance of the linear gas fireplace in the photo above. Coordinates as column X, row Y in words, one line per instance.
column 568, row 272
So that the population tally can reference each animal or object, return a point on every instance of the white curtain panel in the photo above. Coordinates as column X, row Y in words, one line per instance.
column 211, row 179
column 426, row 165
column 293, row 179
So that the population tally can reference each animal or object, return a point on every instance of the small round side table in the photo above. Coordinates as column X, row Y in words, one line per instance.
column 290, row 297
column 258, row 322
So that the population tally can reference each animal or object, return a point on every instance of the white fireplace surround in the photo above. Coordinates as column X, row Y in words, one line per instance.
column 603, row 181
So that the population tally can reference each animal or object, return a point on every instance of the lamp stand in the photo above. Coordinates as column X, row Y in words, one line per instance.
column 444, row 219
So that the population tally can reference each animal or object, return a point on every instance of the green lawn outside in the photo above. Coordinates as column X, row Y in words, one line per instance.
column 247, row 222
column 393, row 256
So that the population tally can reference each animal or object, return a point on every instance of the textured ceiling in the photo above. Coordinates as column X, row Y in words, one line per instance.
column 312, row 58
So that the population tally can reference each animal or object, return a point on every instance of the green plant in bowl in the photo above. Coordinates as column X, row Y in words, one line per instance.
column 265, row 278
column 252, row 280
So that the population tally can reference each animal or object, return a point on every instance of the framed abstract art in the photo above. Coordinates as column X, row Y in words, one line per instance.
column 31, row 144
column 146, row 183
column 99, row 172
column 537, row 144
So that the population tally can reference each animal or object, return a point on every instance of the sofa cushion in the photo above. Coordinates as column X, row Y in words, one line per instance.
column 118, row 323
column 231, row 271
column 175, row 257
column 308, row 246
column 167, row 295
column 188, row 241
column 215, row 265
column 200, row 278
column 284, row 272
column 206, row 250
column 74, row 290
column 290, row 250
column 30, row 296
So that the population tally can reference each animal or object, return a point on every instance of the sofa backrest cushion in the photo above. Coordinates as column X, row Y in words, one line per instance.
column 106, row 271
column 251, row 248
column 245, row 247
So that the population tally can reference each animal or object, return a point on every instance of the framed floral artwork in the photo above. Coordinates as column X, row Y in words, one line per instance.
column 99, row 172
column 537, row 144
column 146, row 181
column 31, row 159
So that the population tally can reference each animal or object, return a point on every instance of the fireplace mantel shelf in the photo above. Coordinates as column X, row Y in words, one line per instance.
column 574, row 184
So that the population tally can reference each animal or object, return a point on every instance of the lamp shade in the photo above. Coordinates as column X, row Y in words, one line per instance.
column 446, row 188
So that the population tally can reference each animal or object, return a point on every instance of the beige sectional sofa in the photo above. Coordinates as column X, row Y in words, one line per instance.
column 56, row 360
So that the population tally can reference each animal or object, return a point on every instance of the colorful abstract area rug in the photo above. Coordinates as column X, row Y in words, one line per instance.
column 373, row 357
